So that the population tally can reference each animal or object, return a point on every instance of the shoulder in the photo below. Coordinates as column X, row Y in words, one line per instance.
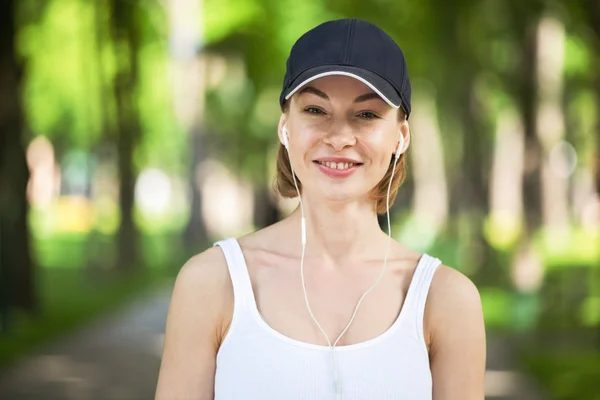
column 201, row 301
column 207, row 271
column 451, row 288
column 456, row 336
column 203, row 290
column 453, row 301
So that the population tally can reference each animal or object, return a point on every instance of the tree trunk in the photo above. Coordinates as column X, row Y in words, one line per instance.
column 265, row 210
column 527, row 269
column 594, row 13
column 189, row 79
column 551, row 130
column 473, row 167
column 125, row 37
column 16, row 267
column 467, row 191
column 597, row 155
column 195, row 233
column 474, row 185
column 528, row 104
column 428, row 183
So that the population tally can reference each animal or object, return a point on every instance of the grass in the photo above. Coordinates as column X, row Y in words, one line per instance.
column 76, row 283
column 567, row 376
column 69, row 299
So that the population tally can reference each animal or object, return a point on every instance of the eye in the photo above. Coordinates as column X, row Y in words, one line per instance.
column 367, row 115
column 314, row 110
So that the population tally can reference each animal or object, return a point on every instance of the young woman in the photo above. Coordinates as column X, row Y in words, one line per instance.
column 323, row 304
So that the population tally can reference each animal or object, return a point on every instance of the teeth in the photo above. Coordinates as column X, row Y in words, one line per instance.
column 340, row 166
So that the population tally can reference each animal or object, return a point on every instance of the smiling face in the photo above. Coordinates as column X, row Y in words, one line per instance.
column 342, row 138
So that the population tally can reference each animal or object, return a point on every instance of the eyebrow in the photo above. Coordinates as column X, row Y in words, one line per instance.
column 366, row 97
column 323, row 95
column 313, row 90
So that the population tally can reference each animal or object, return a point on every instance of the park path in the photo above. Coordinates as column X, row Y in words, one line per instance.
column 118, row 356
column 115, row 358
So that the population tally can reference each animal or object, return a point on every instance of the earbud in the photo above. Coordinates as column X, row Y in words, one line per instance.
column 286, row 143
column 400, row 147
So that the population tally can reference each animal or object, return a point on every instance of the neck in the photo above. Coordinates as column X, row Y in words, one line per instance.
column 339, row 232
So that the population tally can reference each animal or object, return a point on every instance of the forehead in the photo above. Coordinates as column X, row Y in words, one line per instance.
column 338, row 86
column 343, row 90
column 339, row 89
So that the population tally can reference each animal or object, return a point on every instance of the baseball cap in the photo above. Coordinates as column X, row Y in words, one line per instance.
column 350, row 47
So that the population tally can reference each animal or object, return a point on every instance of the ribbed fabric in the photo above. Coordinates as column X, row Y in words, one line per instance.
column 255, row 362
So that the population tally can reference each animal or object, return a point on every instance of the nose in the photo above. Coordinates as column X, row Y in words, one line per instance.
column 339, row 137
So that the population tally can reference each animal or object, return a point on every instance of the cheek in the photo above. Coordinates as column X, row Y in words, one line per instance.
column 299, row 156
column 376, row 148
column 378, row 173
column 379, row 161
column 302, row 144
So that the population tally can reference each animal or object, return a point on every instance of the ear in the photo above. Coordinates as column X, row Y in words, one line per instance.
column 403, row 130
column 282, row 122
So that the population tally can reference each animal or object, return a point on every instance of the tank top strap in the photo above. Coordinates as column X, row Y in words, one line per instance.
column 238, row 271
column 418, row 290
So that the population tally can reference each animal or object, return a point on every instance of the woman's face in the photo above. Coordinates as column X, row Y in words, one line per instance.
column 342, row 137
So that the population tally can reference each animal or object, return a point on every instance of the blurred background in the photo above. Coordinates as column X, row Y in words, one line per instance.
column 135, row 133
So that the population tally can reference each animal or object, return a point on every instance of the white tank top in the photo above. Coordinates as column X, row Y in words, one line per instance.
column 255, row 362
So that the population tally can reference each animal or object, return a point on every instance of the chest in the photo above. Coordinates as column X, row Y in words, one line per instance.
column 332, row 296
column 273, row 369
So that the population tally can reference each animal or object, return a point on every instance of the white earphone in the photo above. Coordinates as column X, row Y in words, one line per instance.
column 286, row 143
column 400, row 146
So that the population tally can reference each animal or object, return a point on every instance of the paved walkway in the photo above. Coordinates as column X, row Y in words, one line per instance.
column 117, row 358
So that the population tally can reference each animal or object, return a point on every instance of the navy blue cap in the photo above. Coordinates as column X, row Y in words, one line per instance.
column 350, row 47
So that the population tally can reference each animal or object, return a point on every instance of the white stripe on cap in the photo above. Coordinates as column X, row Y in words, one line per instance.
column 363, row 80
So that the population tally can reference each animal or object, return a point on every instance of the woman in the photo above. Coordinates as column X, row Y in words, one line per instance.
column 323, row 304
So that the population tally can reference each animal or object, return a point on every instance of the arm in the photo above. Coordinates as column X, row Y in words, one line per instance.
column 455, row 330
column 200, row 310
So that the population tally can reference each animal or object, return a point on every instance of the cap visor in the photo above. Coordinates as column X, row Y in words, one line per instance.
column 375, row 82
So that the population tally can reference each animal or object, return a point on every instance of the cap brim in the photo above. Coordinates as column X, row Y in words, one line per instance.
column 375, row 82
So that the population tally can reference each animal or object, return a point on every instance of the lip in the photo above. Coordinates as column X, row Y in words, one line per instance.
column 336, row 173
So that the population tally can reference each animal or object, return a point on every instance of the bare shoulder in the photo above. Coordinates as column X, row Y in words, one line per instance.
column 203, row 284
column 199, row 313
column 206, row 268
column 204, row 274
column 455, row 334
column 450, row 288
column 453, row 301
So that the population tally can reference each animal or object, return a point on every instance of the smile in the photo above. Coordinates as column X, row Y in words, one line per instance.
column 337, row 170
column 341, row 166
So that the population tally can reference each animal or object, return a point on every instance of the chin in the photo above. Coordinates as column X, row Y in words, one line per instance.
column 346, row 192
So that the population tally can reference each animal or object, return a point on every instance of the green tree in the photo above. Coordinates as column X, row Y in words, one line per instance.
column 17, row 287
column 126, row 42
